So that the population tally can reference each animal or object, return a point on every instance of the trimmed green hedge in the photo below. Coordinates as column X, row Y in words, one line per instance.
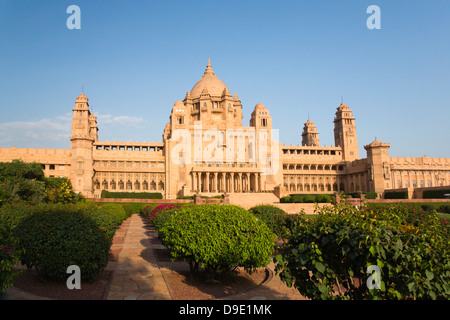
column 131, row 195
column 396, row 195
column 442, row 207
column 307, row 198
column 369, row 195
column 435, row 194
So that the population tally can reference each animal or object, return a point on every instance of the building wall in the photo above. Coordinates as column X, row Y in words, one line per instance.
column 173, row 167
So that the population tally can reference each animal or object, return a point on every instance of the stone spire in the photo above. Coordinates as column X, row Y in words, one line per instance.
column 188, row 97
column 226, row 93
column 209, row 70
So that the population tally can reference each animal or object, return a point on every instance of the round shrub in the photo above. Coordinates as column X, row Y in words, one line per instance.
column 273, row 217
column 215, row 238
column 55, row 239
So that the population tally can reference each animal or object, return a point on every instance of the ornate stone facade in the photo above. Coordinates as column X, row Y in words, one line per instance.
column 207, row 150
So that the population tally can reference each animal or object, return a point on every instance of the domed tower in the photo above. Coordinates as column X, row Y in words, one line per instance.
column 210, row 101
column 310, row 135
column 260, row 118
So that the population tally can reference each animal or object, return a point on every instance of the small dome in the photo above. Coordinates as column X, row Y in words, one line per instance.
column 210, row 82
column 260, row 106
column 178, row 104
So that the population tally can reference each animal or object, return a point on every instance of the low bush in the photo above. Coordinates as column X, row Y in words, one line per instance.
column 286, row 199
column 328, row 257
column 215, row 238
column 54, row 239
column 131, row 195
column 274, row 217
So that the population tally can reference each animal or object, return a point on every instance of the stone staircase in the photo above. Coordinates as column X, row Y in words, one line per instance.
column 248, row 200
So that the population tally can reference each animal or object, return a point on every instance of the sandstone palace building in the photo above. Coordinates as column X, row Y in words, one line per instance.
column 206, row 149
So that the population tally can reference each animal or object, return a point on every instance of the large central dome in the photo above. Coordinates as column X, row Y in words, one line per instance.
column 210, row 82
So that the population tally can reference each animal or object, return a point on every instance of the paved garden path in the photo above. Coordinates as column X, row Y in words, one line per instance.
column 137, row 275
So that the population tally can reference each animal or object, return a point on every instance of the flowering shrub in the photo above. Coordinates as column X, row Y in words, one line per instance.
column 9, row 256
column 59, row 190
column 153, row 213
column 327, row 257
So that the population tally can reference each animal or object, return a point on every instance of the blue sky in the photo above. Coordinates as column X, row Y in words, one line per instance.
column 136, row 58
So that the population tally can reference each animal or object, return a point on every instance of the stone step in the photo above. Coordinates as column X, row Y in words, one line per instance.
column 248, row 200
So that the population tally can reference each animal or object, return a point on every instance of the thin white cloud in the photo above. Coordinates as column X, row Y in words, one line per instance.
column 119, row 120
column 55, row 132
column 36, row 134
